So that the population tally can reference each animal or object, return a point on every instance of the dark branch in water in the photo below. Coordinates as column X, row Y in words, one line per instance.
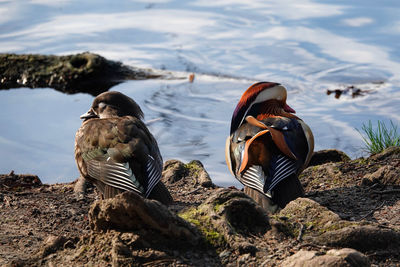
column 351, row 90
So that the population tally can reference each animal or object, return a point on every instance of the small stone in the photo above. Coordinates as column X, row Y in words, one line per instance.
column 244, row 258
column 225, row 254
column 51, row 245
column 333, row 258
column 69, row 244
column 246, row 247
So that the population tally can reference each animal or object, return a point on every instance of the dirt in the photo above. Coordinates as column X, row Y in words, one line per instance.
column 49, row 225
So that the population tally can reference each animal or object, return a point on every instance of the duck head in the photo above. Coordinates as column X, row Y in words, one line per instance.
column 252, row 102
column 113, row 104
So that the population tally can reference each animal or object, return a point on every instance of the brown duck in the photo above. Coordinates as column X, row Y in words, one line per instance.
column 115, row 150
column 268, row 146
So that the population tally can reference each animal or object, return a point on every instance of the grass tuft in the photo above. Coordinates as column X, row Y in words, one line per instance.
column 376, row 140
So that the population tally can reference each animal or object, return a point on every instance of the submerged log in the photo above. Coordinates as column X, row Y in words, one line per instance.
column 85, row 72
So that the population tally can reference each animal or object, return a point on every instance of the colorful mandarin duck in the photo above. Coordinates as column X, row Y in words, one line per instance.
column 115, row 150
column 268, row 146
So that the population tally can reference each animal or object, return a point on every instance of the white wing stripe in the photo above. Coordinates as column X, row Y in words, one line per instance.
column 281, row 171
column 114, row 174
column 254, row 178
column 123, row 187
column 284, row 168
column 116, row 181
column 119, row 180
column 154, row 174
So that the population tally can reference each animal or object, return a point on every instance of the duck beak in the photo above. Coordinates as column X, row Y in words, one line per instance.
column 88, row 115
column 287, row 108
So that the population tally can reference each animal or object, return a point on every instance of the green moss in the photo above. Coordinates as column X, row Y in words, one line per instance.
column 337, row 226
column 190, row 215
column 291, row 227
column 215, row 238
column 315, row 168
column 193, row 168
column 204, row 224
column 218, row 207
column 309, row 215
column 361, row 161
column 83, row 250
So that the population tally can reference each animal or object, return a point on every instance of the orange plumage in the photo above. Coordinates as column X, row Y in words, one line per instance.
column 268, row 146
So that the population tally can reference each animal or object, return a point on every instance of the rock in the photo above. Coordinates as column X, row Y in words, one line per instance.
column 334, row 257
column 226, row 215
column 388, row 175
column 80, row 188
column 85, row 72
column 327, row 155
column 196, row 169
column 307, row 220
column 69, row 244
column 51, row 245
column 243, row 259
column 361, row 237
column 225, row 254
column 323, row 227
column 121, row 255
column 388, row 153
column 130, row 212
column 14, row 181
column 310, row 212
column 246, row 247
column 175, row 170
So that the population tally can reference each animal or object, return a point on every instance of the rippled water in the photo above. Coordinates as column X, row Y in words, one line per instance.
column 309, row 46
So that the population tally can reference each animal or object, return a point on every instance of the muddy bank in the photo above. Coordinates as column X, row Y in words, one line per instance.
column 85, row 72
column 350, row 216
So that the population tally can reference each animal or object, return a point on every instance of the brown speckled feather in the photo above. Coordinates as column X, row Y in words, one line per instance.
column 117, row 152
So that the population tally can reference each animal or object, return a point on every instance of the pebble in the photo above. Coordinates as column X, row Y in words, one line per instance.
column 225, row 254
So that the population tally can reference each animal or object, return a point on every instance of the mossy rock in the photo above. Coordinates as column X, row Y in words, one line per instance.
column 387, row 175
column 175, row 170
column 334, row 257
column 328, row 155
column 388, row 153
column 362, row 237
column 226, row 216
column 322, row 226
column 130, row 212
column 309, row 215
column 205, row 224
column 85, row 72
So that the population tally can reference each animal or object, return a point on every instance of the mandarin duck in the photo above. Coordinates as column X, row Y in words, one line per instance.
column 268, row 146
column 115, row 150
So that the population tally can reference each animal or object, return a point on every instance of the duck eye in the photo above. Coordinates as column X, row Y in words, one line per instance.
column 101, row 105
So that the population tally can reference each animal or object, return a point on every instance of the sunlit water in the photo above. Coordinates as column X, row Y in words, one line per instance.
column 309, row 46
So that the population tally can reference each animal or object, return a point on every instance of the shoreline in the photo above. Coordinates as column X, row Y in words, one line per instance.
column 347, row 204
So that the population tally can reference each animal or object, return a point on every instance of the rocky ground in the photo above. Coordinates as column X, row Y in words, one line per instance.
column 350, row 216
